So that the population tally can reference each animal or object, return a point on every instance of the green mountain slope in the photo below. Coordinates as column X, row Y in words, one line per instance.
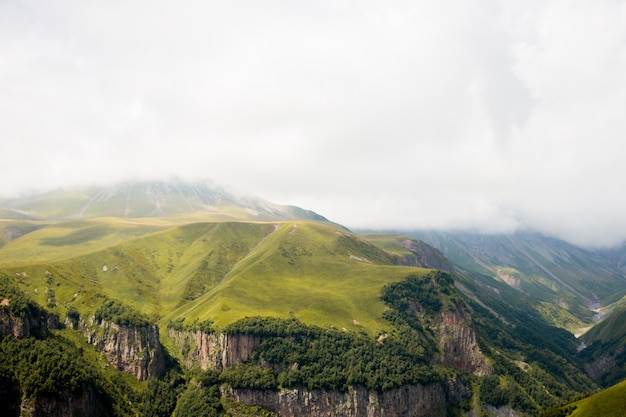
column 330, row 305
column 605, row 352
column 610, row 402
column 313, row 272
column 547, row 269
column 319, row 273
column 225, row 270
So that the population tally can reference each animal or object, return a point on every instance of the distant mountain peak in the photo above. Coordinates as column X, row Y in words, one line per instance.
column 136, row 199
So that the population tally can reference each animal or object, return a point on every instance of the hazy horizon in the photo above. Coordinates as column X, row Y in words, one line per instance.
column 486, row 115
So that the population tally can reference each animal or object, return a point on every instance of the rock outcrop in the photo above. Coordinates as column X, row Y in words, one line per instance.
column 430, row 400
column 134, row 350
column 458, row 343
column 32, row 321
column 603, row 365
column 213, row 350
column 425, row 256
column 87, row 403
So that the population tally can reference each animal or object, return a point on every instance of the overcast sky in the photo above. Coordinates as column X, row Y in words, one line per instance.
column 489, row 115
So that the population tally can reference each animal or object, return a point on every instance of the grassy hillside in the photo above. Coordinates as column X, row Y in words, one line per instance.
column 318, row 273
column 612, row 328
column 389, row 242
column 314, row 272
column 224, row 271
column 610, row 402
column 606, row 348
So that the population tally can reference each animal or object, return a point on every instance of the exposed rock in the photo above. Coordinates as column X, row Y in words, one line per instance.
column 32, row 322
column 213, row 350
column 430, row 400
column 601, row 366
column 134, row 350
column 425, row 256
column 458, row 342
column 88, row 403
column 504, row 411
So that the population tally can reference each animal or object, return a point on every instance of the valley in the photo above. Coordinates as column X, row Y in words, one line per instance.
column 242, row 307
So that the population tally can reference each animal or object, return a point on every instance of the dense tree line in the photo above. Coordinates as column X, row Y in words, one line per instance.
column 428, row 293
column 121, row 314
column 316, row 358
column 51, row 366
column 205, row 326
column 18, row 304
column 54, row 367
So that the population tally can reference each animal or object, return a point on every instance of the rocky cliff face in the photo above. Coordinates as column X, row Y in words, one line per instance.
column 134, row 350
column 32, row 322
column 458, row 343
column 87, row 403
column 213, row 350
column 219, row 351
column 603, row 365
column 408, row 401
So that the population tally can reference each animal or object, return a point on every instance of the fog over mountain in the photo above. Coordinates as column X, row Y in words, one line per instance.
column 483, row 115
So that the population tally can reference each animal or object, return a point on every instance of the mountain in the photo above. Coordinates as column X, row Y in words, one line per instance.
column 615, row 255
column 148, row 199
column 605, row 348
column 549, row 270
column 224, row 304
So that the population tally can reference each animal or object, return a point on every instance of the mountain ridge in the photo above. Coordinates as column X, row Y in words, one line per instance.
column 544, row 267
column 147, row 199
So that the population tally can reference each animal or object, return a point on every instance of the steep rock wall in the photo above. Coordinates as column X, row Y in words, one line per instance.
column 459, row 346
column 454, row 332
column 430, row 400
column 30, row 323
column 134, row 350
column 213, row 350
column 88, row 403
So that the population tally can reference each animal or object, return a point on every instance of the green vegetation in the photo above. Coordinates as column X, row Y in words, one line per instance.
column 304, row 269
column 430, row 292
column 56, row 368
column 205, row 326
column 15, row 302
column 223, row 271
column 77, row 237
column 607, row 339
column 316, row 358
column 50, row 366
column 500, row 391
column 250, row 376
column 390, row 243
column 327, row 358
column 606, row 403
column 546, row 269
column 161, row 395
column 333, row 311
column 117, row 313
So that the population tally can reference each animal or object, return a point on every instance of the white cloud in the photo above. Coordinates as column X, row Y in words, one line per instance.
column 486, row 114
